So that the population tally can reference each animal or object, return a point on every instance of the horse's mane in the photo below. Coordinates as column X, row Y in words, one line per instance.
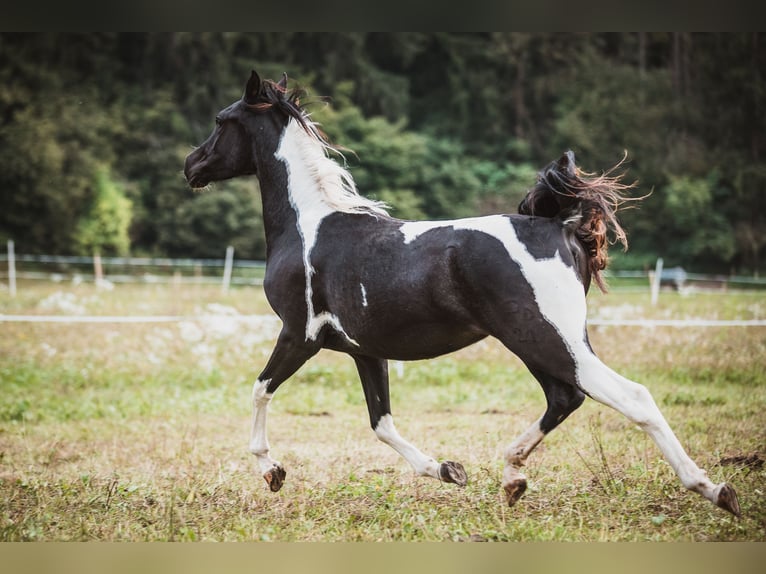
column 335, row 182
column 586, row 203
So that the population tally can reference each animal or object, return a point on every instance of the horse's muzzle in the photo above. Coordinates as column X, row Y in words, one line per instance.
column 193, row 170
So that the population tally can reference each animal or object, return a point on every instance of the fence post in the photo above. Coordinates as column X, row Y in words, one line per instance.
column 11, row 268
column 98, row 270
column 656, row 281
column 227, row 269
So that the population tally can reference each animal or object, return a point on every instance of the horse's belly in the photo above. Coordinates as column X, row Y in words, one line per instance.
column 410, row 342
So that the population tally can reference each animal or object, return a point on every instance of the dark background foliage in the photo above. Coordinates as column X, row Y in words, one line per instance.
column 442, row 125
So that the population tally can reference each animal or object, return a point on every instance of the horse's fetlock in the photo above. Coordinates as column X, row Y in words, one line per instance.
column 259, row 450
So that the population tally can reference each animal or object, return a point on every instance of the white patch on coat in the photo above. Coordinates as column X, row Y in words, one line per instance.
column 317, row 187
column 412, row 229
column 364, row 295
column 558, row 293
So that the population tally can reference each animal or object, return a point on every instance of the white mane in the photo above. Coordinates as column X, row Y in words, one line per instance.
column 334, row 183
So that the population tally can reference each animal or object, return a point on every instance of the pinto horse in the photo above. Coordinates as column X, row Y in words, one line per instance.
column 344, row 275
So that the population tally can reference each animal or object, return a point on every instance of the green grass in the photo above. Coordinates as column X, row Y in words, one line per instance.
column 139, row 432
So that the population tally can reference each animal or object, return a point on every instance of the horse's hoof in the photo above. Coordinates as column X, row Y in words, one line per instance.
column 275, row 478
column 453, row 472
column 514, row 490
column 727, row 499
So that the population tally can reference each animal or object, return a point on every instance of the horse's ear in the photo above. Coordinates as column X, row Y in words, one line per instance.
column 566, row 163
column 253, row 88
column 283, row 81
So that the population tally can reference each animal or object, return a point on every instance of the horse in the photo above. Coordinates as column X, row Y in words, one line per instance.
column 342, row 274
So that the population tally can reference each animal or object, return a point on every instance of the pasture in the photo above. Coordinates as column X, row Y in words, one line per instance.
column 138, row 432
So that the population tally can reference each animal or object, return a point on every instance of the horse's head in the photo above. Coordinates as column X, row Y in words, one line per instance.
column 230, row 150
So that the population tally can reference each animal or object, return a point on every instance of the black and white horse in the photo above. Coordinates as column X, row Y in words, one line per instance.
column 344, row 275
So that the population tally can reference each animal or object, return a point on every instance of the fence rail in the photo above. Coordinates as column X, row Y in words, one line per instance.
column 146, row 278
column 133, row 261
column 700, row 277
column 168, row 270
column 171, row 270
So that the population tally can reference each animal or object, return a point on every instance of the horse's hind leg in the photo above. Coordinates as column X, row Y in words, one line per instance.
column 562, row 399
column 286, row 358
column 374, row 375
column 635, row 402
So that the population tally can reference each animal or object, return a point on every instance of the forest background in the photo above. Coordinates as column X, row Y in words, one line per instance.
column 94, row 128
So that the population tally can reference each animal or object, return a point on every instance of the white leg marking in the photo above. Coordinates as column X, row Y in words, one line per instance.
column 636, row 403
column 423, row 464
column 517, row 452
column 259, row 443
column 514, row 482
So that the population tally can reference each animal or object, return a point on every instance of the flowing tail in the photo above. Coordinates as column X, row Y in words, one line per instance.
column 586, row 203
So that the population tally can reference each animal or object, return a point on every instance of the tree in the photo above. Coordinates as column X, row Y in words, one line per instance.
column 227, row 214
column 443, row 124
column 104, row 227
column 53, row 138
column 697, row 231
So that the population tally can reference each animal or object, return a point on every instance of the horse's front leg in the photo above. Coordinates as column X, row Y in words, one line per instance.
column 286, row 358
column 374, row 375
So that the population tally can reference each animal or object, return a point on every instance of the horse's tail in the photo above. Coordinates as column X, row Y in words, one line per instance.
column 586, row 203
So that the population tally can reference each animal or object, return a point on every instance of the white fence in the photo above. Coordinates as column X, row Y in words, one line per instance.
column 230, row 271
column 225, row 271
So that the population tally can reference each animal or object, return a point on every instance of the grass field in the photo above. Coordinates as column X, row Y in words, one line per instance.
column 138, row 432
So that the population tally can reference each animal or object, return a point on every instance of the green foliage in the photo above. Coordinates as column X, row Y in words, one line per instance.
column 502, row 186
column 228, row 214
column 432, row 176
column 601, row 115
column 747, row 207
column 385, row 158
column 441, row 125
column 700, row 231
column 104, row 228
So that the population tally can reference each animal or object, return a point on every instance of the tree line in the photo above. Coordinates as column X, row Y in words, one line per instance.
column 95, row 128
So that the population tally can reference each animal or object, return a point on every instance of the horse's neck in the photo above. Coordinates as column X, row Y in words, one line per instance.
column 279, row 217
column 301, row 186
column 292, row 209
column 291, row 189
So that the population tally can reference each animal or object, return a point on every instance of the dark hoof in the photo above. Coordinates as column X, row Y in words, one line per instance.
column 514, row 490
column 727, row 499
column 453, row 472
column 275, row 478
